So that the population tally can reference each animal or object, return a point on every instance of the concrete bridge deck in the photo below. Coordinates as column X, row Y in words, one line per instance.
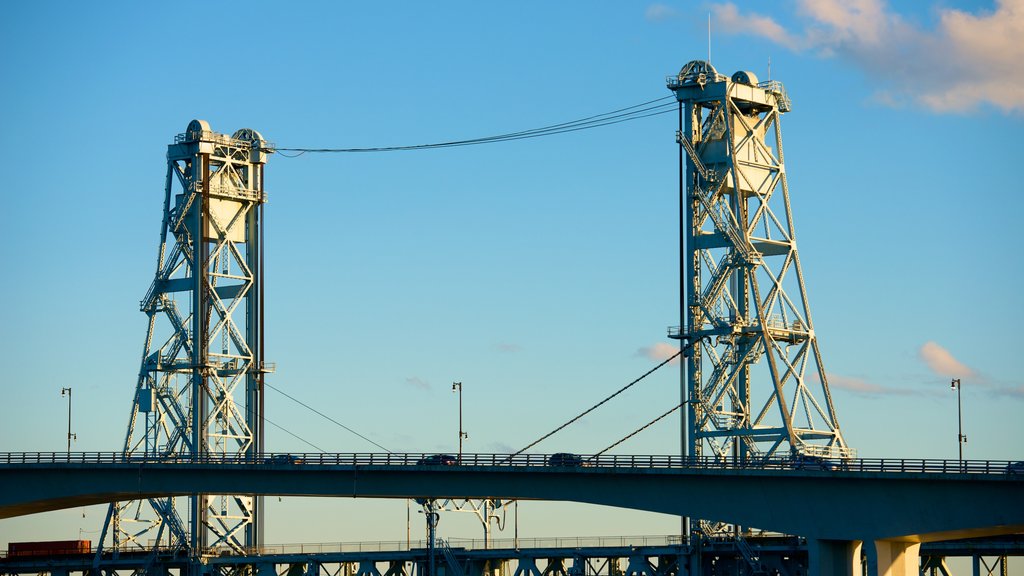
column 836, row 505
column 862, row 499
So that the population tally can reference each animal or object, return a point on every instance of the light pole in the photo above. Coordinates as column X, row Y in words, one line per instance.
column 457, row 386
column 961, row 438
column 63, row 392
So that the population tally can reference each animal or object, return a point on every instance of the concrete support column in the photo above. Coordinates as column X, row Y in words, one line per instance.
column 890, row 558
column 834, row 557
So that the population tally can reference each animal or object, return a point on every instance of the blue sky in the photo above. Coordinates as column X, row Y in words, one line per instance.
column 538, row 272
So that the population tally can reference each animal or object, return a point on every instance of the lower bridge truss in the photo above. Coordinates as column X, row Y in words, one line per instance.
column 640, row 556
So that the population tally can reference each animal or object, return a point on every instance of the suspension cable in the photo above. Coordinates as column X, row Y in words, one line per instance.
column 599, row 404
column 314, row 410
column 292, row 434
column 681, row 351
column 635, row 112
column 637, row 431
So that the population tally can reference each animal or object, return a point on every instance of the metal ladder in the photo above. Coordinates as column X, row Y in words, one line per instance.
column 749, row 556
column 449, row 557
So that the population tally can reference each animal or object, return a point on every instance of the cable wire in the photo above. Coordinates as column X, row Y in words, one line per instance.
column 635, row 112
column 682, row 350
column 637, row 431
column 292, row 434
column 596, row 406
column 310, row 408
column 485, row 140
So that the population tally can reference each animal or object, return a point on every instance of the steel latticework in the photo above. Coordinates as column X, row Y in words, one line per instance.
column 755, row 386
column 200, row 385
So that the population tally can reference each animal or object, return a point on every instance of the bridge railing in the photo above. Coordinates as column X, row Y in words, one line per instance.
column 552, row 462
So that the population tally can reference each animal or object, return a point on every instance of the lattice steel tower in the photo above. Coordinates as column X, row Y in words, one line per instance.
column 754, row 382
column 200, row 387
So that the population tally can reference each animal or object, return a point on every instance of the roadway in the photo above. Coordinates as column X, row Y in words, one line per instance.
column 900, row 500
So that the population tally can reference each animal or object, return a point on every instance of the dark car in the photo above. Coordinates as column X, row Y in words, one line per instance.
column 565, row 459
column 285, row 459
column 438, row 460
column 1015, row 467
column 809, row 462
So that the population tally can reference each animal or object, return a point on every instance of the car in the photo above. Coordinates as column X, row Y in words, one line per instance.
column 285, row 459
column 438, row 460
column 1015, row 468
column 811, row 462
column 565, row 459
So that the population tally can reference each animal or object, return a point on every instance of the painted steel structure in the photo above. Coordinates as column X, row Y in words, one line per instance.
column 759, row 415
column 754, row 384
column 573, row 556
column 906, row 500
column 884, row 509
column 200, row 386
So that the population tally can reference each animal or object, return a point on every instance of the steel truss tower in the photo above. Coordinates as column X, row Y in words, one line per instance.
column 755, row 387
column 199, row 393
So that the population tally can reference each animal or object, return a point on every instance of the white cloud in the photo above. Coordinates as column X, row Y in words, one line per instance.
column 942, row 363
column 659, row 352
column 967, row 60
column 416, row 382
column 660, row 12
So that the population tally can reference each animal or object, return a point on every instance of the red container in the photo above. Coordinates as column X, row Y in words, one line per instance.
column 52, row 548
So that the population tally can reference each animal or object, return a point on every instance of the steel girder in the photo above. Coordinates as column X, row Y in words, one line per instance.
column 755, row 385
column 200, row 384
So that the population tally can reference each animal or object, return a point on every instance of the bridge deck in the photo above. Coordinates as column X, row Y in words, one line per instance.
column 861, row 499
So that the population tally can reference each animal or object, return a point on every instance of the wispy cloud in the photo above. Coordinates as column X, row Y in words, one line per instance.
column 967, row 60
column 417, row 382
column 943, row 363
column 507, row 347
column 854, row 384
column 660, row 12
column 864, row 387
column 498, row 447
column 731, row 20
column 659, row 352
column 1016, row 392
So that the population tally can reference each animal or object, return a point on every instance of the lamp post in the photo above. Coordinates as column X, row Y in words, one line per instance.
column 961, row 438
column 67, row 392
column 457, row 386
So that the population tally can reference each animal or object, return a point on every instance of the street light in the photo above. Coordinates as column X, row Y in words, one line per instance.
column 961, row 438
column 63, row 392
column 457, row 386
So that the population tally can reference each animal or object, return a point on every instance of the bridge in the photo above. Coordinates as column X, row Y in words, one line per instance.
column 897, row 504
column 760, row 440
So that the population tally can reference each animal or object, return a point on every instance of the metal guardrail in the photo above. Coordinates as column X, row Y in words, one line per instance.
column 418, row 459
column 470, row 544
column 497, row 544
column 218, row 138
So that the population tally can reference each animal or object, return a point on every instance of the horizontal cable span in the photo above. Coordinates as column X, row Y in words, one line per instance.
column 635, row 112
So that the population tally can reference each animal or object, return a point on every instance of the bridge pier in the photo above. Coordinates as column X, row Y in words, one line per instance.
column 834, row 557
column 843, row 558
column 893, row 558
